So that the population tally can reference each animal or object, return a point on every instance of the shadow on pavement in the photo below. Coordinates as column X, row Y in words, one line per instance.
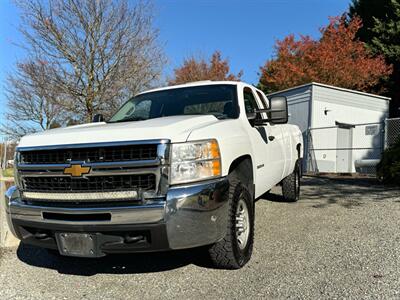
column 274, row 197
column 316, row 193
column 348, row 192
column 135, row 263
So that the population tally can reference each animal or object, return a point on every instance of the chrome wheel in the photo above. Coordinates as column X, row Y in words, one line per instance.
column 242, row 224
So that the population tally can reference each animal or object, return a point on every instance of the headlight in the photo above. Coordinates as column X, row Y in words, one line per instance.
column 194, row 161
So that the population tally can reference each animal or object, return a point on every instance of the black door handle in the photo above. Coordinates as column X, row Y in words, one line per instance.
column 271, row 138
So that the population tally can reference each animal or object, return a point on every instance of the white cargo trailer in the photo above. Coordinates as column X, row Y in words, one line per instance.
column 340, row 127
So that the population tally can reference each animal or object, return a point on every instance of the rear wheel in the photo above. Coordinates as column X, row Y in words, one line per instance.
column 235, row 249
column 291, row 184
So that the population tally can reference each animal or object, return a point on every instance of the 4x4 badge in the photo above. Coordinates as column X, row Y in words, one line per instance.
column 76, row 170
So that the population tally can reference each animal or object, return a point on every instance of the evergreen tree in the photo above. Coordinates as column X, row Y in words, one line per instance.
column 381, row 32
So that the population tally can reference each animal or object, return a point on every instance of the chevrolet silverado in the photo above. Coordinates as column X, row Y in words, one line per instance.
column 176, row 167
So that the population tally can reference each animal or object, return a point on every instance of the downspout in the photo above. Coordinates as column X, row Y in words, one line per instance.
column 308, row 135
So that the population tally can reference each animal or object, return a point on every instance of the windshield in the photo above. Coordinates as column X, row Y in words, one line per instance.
column 217, row 100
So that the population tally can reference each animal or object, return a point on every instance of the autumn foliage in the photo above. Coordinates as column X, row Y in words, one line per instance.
column 338, row 58
column 196, row 69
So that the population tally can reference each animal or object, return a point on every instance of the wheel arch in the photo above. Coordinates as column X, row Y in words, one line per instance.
column 299, row 161
column 243, row 167
column 299, row 150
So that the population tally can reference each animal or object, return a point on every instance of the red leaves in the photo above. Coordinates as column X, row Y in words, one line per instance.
column 338, row 58
column 194, row 69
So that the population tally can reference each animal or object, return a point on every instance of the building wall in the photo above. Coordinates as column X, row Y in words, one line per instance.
column 331, row 105
column 299, row 107
column 315, row 105
column 345, row 107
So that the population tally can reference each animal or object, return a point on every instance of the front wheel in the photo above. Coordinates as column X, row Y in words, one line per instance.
column 235, row 249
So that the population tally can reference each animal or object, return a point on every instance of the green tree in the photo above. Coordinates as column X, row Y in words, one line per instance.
column 389, row 167
column 381, row 32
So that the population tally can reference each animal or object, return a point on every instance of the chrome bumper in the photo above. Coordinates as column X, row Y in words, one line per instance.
column 193, row 215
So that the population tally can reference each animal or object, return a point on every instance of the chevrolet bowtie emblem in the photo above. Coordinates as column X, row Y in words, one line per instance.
column 76, row 170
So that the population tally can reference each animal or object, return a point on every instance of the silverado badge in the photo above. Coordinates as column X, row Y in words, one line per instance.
column 76, row 170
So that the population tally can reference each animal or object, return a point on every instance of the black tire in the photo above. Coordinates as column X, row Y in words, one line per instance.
column 227, row 253
column 53, row 252
column 291, row 184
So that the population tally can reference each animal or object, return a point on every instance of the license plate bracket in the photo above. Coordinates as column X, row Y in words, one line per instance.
column 78, row 244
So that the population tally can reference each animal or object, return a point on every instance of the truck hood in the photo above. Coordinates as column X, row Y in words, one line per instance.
column 174, row 128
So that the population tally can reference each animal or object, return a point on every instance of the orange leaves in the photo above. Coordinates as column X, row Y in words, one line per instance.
column 338, row 58
column 195, row 69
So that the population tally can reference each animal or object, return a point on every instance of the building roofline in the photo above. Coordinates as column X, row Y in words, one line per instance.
column 331, row 87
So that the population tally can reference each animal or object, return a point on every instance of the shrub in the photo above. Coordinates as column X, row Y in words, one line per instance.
column 8, row 172
column 389, row 167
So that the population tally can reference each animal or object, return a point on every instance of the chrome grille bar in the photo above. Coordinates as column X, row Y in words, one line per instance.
column 97, row 196
column 117, row 164
column 158, row 167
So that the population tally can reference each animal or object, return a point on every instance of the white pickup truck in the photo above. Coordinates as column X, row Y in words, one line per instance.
column 174, row 168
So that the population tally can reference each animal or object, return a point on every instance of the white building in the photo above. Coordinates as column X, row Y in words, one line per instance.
column 340, row 127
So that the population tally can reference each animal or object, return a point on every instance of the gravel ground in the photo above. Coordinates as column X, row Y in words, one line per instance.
column 341, row 240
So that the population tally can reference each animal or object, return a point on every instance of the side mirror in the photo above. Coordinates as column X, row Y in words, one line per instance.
column 278, row 112
column 98, row 118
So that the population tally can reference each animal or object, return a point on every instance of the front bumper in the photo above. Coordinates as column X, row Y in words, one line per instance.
column 190, row 216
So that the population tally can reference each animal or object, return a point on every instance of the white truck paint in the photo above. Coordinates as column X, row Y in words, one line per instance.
column 272, row 151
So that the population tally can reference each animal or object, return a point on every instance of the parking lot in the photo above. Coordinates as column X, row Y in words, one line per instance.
column 341, row 240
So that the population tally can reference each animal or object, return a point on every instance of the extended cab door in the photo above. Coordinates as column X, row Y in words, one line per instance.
column 267, row 151
column 276, row 145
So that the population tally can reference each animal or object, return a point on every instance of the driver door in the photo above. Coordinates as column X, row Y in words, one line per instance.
column 276, row 146
column 267, row 150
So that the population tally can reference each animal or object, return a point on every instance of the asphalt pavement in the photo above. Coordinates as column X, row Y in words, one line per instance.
column 341, row 240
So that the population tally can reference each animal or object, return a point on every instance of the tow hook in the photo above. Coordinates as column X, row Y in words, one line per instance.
column 133, row 239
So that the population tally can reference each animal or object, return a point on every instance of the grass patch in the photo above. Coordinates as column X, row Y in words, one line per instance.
column 8, row 172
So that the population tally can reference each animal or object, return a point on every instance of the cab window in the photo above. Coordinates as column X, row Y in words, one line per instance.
column 250, row 103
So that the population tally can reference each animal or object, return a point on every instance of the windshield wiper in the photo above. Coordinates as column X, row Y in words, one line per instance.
column 132, row 119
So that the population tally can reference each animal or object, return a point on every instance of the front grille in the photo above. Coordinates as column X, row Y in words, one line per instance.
column 93, row 155
column 92, row 183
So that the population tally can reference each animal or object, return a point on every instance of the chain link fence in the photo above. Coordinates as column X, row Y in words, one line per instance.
column 349, row 148
column 392, row 131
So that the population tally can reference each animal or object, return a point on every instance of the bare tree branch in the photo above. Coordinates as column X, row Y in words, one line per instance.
column 93, row 55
